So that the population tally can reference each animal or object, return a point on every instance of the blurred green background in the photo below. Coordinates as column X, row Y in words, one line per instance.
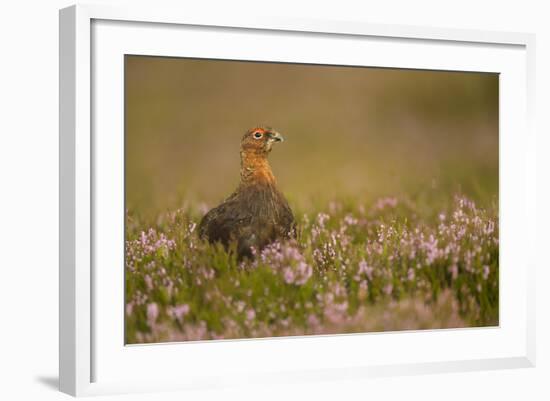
column 351, row 132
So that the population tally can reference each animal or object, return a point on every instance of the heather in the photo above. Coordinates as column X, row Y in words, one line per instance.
column 390, row 264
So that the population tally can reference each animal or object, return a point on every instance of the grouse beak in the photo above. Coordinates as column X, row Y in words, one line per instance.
column 275, row 136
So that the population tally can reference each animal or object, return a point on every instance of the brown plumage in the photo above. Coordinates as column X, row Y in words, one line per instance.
column 256, row 214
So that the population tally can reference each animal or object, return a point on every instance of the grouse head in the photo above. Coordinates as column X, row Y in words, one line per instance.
column 255, row 147
column 260, row 140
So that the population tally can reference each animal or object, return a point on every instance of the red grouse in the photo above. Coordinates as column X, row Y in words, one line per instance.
column 256, row 214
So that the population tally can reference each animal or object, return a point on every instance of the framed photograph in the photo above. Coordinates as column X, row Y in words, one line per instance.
column 289, row 200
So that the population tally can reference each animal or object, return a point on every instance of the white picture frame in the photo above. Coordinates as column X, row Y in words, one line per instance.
column 90, row 363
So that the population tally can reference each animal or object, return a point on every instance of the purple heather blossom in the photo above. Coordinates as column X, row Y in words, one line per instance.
column 287, row 260
column 178, row 312
column 322, row 219
column 148, row 282
column 152, row 313
column 250, row 314
column 288, row 275
column 365, row 269
column 240, row 306
column 382, row 203
column 388, row 288
column 350, row 220
column 313, row 320
column 486, row 271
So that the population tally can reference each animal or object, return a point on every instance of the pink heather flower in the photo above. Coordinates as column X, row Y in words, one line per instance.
column 485, row 272
column 129, row 308
column 318, row 256
column 240, row 306
column 287, row 260
column 304, row 272
column 362, row 267
column 322, row 219
column 152, row 313
column 365, row 269
column 180, row 311
column 388, row 289
column 208, row 273
column 336, row 312
column 341, row 307
column 489, row 228
column 288, row 275
column 148, row 282
column 386, row 202
column 350, row 220
column 381, row 235
column 147, row 244
column 432, row 251
column 313, row 320
column 250, row 314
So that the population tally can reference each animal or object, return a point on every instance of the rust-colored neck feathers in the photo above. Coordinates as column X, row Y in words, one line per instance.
column 255, row 168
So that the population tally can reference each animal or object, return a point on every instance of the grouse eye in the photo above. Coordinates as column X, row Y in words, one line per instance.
column 257, row 135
